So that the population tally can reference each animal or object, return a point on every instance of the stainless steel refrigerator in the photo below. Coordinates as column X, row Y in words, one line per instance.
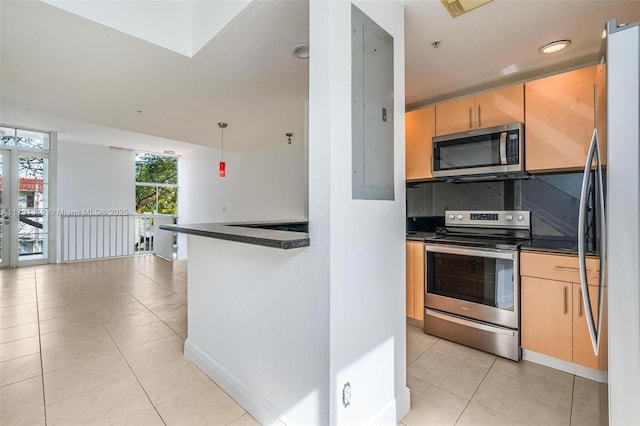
column 623, row 221
column 620, row 227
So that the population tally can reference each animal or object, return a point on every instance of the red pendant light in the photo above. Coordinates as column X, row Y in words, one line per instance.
column 222, row 167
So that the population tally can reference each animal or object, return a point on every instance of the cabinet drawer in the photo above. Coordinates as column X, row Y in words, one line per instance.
column 558, row 267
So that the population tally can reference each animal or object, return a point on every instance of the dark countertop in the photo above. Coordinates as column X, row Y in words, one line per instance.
column 556, row 246
column 549, row 245
column 277, row 234
column 419, row 236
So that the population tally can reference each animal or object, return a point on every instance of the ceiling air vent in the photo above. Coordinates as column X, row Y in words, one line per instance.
column 458, row 7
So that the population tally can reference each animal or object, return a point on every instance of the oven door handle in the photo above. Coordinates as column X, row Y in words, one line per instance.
column 470, row 251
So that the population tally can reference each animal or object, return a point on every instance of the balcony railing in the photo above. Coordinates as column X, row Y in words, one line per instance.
column 87, row 237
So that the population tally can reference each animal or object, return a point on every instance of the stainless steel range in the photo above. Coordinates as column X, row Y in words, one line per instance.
column 472, row 279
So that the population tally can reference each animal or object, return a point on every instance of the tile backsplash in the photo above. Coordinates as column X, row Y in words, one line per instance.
column 552, row 198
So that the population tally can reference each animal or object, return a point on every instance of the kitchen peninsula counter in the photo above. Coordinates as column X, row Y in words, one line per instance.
column 276, row 234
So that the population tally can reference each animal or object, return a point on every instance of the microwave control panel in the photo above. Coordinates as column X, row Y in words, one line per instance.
column 513, row 147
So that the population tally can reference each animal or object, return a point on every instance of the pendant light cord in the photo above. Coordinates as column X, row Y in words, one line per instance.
column 222, row 127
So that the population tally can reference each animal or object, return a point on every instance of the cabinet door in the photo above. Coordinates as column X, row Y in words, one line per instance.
column 582, row 348
column 410, row 280
column 500, row 107
column 546, row 317
column 420, row 129
column 559, row 120
column 456, row 116
column 418, row 280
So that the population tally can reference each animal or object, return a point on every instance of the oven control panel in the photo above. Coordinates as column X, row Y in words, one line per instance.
column 514, row 219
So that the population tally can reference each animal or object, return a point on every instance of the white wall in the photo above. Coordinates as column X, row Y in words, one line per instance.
column 367, row 247
column 270, row 184
column 282, row 331
column 202, row 195
column 260, row 315
column 95, row 177
column 165, row 23
column 92, row 180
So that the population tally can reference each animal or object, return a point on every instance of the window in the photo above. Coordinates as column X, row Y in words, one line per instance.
column 156, row 184
column 10, row 136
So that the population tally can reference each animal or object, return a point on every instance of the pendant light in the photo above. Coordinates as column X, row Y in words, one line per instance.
column 222, row 170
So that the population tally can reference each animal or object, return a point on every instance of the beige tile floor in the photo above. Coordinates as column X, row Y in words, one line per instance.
column 101, row 343
column 453, row 384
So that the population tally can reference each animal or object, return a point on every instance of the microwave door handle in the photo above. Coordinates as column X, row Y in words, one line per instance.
column 503, row 148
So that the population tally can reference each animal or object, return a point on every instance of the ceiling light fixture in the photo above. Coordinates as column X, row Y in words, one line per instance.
column 554, row 46
column 288, row 135
column 458, row 7
column 222, row 169
column 300, row 51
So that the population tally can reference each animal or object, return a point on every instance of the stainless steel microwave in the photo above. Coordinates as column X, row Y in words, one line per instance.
column 491, row 151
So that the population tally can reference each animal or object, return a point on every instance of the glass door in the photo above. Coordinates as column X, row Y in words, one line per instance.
column 24, row 197
column 5, row 218
column 32, row 205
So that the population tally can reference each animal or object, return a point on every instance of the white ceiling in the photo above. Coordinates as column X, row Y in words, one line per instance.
column 56, row 64
column 498, row 43
column 59, row 63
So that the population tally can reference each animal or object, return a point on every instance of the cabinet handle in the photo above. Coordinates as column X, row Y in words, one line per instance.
column 479, row 117
column 579, row 303
column 470, row 118
column 568, row 269
column 564, row 300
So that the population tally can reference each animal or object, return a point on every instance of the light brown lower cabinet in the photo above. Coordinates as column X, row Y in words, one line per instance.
column 552, row 312
column 582, row 347
column 415, row 280
column 546, row 319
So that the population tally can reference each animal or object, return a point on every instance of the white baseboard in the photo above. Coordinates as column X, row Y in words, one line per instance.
column 403, row 404
column 261, row 410
column 393, row 411
column 566, row 366
column 386, row 415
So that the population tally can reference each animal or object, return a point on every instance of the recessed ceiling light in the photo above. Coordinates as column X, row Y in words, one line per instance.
column 300, row 51
column 554, row 46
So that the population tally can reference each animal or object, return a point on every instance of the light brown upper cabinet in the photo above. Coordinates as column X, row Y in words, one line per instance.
column 495, row 108
column 419, row 129
column 560, row 119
